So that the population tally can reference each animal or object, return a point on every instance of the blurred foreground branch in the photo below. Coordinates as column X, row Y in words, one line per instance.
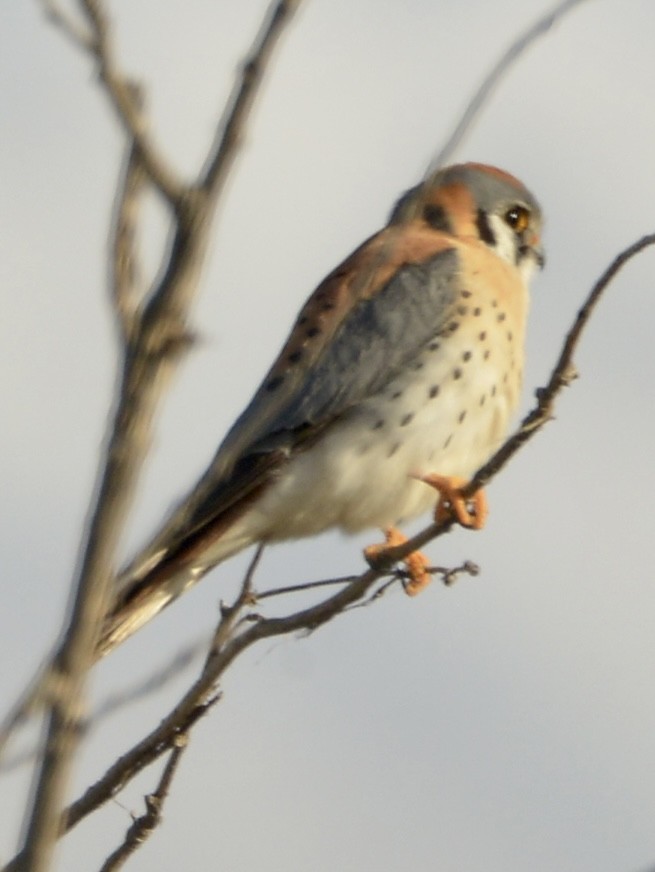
column 154, row 332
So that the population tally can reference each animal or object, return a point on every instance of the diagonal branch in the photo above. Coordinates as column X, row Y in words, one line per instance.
column 143, row 826
column 233, row 637
column 231, row 127
column 493, row 78
column 121, row 93
column 124, row 278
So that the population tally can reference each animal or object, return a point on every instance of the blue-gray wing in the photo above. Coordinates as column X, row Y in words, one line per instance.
column 380, row 332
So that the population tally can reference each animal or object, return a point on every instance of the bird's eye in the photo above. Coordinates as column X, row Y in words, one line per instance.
column 518, row 218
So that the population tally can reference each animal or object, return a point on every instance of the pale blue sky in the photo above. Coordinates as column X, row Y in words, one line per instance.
column 507, row 723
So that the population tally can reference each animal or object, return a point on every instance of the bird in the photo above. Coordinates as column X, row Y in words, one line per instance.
column 398, row 380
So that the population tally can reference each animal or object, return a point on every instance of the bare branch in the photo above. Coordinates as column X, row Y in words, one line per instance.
column 124, row 268
column 307, row 585
column 144, row 825
column 148, row 361
column 493, row 78
column 122, row 95
column 68, row 25
column 231, row 127
column 232, row 638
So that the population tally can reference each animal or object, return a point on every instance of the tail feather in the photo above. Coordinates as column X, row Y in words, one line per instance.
column 142, row 597
column 209, row 526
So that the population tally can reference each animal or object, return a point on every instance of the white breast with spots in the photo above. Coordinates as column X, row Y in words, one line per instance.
column 446, row 413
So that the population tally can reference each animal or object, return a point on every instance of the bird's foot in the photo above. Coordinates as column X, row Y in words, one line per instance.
column 416, row 562
column 468, row 511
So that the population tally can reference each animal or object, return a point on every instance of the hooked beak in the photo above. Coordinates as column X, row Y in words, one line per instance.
column 532, row 247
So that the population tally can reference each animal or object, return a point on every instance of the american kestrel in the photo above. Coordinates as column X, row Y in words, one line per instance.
column 398, row 380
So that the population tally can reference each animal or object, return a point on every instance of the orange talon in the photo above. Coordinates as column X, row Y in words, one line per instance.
column 416, row 562
column 453, row 504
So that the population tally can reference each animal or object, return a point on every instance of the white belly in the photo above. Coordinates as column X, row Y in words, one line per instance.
column 446, row 414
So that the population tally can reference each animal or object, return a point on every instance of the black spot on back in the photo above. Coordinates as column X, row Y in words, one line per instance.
column 274, row 383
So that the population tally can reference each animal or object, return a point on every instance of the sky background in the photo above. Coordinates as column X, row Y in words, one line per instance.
column 506, row 723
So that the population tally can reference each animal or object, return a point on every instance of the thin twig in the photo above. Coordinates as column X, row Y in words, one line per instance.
column 121, row 93
column 143, row 826
column 68, row 25
column 231, row 127
column 230, row 614
column 124, row 268
column 493, row 78
column 307, row 585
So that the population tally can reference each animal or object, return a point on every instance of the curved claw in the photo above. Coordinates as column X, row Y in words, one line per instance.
column 416, row 562
column 470, row 512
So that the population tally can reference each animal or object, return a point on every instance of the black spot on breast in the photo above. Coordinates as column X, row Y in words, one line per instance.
column 407, row 419
column 510, row 335
column 465, row 294
column 462, row 310
column 486, row 354
column 493, row 391
column 311, row 332
column 448, row 441
column 461, row 417
column 457, row 373
column 434, row 390
column 379, row 424
column 302, row 320
column 418, row 365
column 437, row 218
column 483, row 399
column 396, row 395
column 393, row 449
column 501, row 316
column 327, row 306
column 434, row 346
column 477, row 311
column 482, row 336
column 466, row 356
column 295, row 356
column 274, row 383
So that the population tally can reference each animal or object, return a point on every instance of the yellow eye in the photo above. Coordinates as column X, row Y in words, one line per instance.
column 518, row 218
